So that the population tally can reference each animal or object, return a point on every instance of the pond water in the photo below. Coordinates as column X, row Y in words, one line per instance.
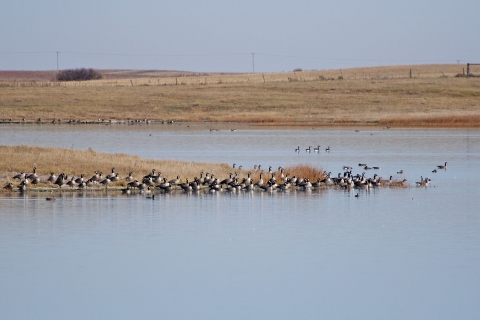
column 389, row 254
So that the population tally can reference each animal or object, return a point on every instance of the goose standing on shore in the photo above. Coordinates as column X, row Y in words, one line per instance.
column 129, row 177
column 33, row 175
column 52, row 178
column 20, row 176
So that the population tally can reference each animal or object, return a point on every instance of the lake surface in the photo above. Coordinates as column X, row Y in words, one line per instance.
column 389, row 254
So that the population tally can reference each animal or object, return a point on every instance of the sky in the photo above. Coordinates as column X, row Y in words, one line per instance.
column 236, row 36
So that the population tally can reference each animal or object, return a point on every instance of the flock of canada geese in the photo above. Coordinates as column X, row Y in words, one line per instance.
column 268, row 181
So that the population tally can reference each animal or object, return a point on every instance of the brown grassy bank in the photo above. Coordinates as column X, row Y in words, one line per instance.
column 373, row 96
column 15, row 159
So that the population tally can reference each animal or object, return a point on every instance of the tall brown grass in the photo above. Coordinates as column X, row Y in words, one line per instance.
column 305, row 171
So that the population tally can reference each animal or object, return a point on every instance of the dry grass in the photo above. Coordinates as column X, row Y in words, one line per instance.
column 305, row 171
column 372, row 96
column 14, row 159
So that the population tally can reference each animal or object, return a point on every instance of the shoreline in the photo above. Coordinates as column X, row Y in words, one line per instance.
column 419, row 122
column 435, row 96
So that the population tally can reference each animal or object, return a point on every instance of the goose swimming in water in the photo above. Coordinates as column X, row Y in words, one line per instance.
column 443, row 167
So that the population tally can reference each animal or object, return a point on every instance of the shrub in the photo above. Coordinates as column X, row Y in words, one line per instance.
column 82, row 74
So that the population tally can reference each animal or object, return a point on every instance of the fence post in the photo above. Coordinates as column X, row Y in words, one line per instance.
column 468, row 70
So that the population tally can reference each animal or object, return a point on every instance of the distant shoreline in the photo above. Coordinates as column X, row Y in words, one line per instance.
column 396, row 96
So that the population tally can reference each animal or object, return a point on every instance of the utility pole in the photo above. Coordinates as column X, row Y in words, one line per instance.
column 57, row 59
column 253, row 62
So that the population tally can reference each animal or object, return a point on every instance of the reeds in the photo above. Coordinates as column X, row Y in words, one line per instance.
column 305, row 171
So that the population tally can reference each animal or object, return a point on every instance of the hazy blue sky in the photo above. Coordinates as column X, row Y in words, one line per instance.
column 214, row 35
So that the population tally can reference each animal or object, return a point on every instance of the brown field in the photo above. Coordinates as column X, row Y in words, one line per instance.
column 383, row 96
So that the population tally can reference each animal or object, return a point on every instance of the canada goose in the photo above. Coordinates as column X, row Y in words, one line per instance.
column 23, row 186
column 84, row 184
column 186, row 186
column 356, row 196
column 297, row 149
column 148, row 181
column 228, row 180
column 71, row 182
column 423, row 182
column 362, row 164
column 248, row 180
column 434, row 171
column 106, row 181
column 50, row 198
column 317, row 149
column 147, row 191
column 62, row 178
column 95, row 177
column 443, row 167
column 260, row 181
column 157, row 178
column 133, row 184
column 79, row 180
column 376, row 168
column 317, row 184
column 308, row 149
column 111, row 175
column 126, row 190
column 347, row 168
column 20, row 176
column 32, row 175
column 52, row 177
column 8, row 186
column 150, row 175
column 400, row 172
column 175, row 181
column 328, row 149
column 129, row 177
column 36, row 180
column 367, row 168
column 272, row 179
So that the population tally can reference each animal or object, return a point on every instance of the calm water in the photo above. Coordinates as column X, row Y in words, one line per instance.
column 389, row 254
